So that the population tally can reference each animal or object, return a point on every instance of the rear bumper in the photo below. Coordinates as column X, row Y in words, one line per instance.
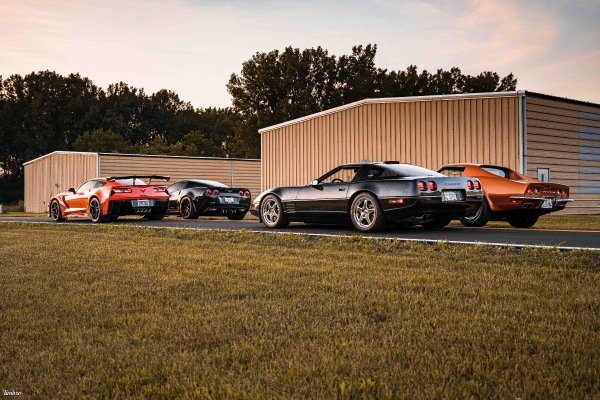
column 431, row 206
column 125, row 207
column 211, row 208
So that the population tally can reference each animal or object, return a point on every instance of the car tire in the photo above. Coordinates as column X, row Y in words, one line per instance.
column 155, row 217
column 186, row 208
column 95, row 209
column 477, row 218
column 271, row 212
column 366, row 213
column 56, row 212
column 236, row 217
column 523, row 223
column 436, row 223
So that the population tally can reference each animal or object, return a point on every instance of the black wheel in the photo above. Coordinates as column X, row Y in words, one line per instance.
column 436, row 223
column 236, row 217
column 272, row 212
column 366, row 213
column 55, row 211
column 523, row 223
column 479, row 217
column 186, row 209
column 154, row 217
column 96, row 211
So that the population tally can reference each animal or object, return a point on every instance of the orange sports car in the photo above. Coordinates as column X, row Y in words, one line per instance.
column 509, row 195
column 105, row 199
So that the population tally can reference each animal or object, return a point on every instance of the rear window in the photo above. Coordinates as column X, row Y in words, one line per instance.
column 452, row 172
column 193, row 184
column 398, row 171
column 497, row 171
column 130, row 182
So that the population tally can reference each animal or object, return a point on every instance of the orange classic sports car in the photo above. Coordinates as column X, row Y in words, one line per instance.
column 105, row 199
column 509, row 195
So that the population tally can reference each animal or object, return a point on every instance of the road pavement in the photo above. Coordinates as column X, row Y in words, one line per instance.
column 564, row 239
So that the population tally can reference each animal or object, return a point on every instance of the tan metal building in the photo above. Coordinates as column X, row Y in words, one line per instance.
column 57, row 172
column 542, row 136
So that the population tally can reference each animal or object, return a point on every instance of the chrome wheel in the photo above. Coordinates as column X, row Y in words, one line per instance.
column 364, row 212
column 271, row 212
column 95, row 210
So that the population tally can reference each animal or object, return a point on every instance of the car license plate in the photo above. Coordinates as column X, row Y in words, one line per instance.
column 547, row 203
column 228, row 200
column 140, row 203
column 450, row 195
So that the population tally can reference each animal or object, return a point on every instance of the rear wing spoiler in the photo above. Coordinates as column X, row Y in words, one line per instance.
column 134, row 177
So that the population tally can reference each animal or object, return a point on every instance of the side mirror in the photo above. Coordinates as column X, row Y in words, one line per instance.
column 72, row 190
column 314, row 182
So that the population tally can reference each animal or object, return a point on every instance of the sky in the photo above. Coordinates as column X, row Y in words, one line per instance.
column 192, row 46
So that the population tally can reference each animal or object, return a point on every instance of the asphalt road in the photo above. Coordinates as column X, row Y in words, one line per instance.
column 564, row 239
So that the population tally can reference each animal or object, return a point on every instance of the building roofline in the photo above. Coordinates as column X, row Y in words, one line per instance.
column 564, row 99
column 395, row 100
column 168, row 156
column 139, row 155
column 60, row 152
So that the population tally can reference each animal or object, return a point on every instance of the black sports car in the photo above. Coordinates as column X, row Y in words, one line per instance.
column 192, row 198
column 371, row 195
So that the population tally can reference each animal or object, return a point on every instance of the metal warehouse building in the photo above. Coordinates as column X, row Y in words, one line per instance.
column 542, row 136
column 57, row 172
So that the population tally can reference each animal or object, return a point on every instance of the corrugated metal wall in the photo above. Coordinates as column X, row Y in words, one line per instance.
column 565, row 137
column 424, row 132
column 66, row 169
column 231, row 172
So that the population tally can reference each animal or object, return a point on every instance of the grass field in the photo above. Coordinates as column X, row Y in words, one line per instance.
column 123, row 312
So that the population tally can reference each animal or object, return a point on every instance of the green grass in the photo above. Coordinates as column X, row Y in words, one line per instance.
column 124, row 312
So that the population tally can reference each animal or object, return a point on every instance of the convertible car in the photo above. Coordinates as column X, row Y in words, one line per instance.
column 509, row 195
column 371, row 195
column 105, row 199
column 192, row 198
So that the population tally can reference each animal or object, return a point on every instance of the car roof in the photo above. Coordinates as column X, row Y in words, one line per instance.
column 202, row 182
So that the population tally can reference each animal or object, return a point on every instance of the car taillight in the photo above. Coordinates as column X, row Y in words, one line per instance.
column 121, row 190
column 215, row 191
column 159, row 189
column 529, row 191
column 470, row 185
column 477, row 185
column 563, row 193
column 241, row 193
column 208, row 192
column 431, row 185
column 247, row 193
column 422, row 186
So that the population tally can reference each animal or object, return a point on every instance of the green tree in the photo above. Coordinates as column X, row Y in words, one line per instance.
column 101, row 141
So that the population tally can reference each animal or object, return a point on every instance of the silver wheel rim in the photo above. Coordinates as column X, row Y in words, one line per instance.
column 186, row 208
column 94, row 210
column 270, row 212
column 364, row 212
column 473, row 215
column 54, row 210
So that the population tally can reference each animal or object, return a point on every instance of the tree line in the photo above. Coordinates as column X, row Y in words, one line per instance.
column 44, row 111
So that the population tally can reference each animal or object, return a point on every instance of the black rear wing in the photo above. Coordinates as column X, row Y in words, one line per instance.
column 134, row 177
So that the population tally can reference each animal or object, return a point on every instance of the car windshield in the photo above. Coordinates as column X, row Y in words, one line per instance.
column 130, row 182
column 405, row 171
column 453, row 172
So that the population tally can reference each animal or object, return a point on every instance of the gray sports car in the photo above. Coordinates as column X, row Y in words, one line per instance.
column 370, row 196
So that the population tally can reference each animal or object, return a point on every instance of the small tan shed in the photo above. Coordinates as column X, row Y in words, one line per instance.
column 542, row 136
column 57, row 172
